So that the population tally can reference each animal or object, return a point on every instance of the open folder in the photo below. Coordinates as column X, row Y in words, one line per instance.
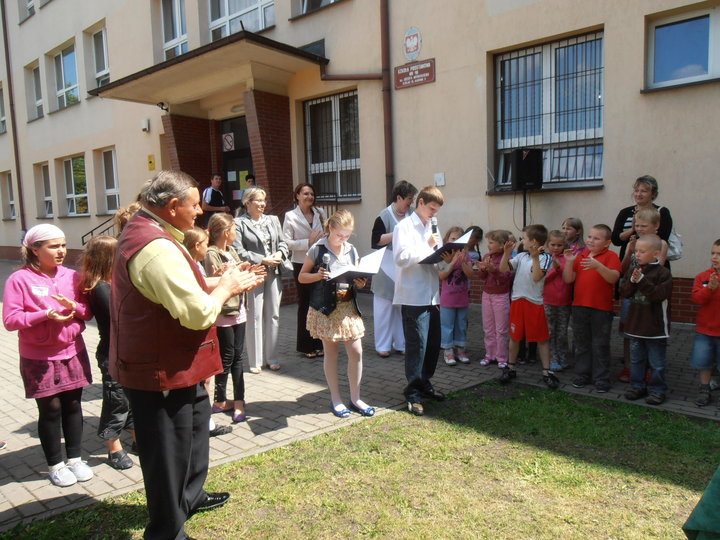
column 368, row 265
column 458, row 244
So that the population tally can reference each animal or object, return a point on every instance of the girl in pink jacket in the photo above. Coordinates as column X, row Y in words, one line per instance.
column 42, row 301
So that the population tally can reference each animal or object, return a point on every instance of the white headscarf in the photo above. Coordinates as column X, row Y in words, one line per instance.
column 42, row 232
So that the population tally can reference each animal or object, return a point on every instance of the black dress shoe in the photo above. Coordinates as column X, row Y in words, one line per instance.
column 212, row 500
column 220, row 430
column 437, row 395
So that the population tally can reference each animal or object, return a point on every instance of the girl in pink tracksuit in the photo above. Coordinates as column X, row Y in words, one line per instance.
column 495, row 300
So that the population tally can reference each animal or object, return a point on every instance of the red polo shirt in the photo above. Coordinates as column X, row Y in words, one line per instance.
column 591, row 289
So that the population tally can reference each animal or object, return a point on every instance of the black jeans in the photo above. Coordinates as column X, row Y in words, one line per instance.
column 115, row 414
column 421, row 326
column 591, row 329
column 305, row 342
column 232, row 341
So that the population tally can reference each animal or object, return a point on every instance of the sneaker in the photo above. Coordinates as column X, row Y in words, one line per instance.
column 502, row 365
column 507, row 375
column 602, row 388
column 484, row 362
column 416, row 408
column 714, row 385
column 120, row 460
column 555, row 366
column 635, row 393
column 655, row 398
column 551, row 380
column 580, row 382
column 220, row 430
column 463, row 357
column 79, row 468
column 624, row 375
column 62, row 476
column 449, row 357
column 703, row 397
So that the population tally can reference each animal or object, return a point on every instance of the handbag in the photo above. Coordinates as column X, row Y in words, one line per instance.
column 675, row 246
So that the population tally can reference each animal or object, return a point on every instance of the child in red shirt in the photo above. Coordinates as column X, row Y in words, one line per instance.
column 557, row 299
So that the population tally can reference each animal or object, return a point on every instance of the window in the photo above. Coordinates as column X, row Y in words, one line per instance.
column 684, row 49
column 312, row 5
column 8, row 196
column 42, row 188
column 230, row 16
column 174, row 28
column 112, row 194
column 66, row 79
column 27, row 9
column 332, row 140
column 551, row 97
column 37, row 92
column 75, row 186
column 102, row 71
column 3, row 123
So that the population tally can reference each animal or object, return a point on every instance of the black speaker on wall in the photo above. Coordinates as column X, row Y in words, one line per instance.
column 527, row 169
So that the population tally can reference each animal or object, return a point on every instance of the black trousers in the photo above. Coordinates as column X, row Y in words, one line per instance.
column 305, row 342
column 173, row 443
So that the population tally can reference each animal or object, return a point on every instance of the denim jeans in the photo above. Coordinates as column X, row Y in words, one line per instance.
column 421, row 326
column 453, row 324
column 591, row 330
column 705, row 352
column 652, row 352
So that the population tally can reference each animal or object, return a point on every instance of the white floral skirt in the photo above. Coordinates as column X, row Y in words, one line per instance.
column 343, row 324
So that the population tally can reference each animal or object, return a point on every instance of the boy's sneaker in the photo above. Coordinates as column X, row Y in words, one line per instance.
column 635, row 393
column 655, row 398
column 551, row 380
column 580, row 382
column 79, row 468
column 555, row 366
column 507, row 375
column 463, row 357
column 449, row 357
column 703, row 397
column 602, row 388
column 62, row 476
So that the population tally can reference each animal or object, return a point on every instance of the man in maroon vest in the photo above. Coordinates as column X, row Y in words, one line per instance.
column 163, row 346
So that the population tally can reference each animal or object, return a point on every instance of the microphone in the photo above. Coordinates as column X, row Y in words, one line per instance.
column 325, row 261
column 433, row 224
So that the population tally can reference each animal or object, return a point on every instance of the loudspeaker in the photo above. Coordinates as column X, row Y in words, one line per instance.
column 527, row 169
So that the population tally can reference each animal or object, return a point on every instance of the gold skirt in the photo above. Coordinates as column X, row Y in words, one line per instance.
column 343, row 324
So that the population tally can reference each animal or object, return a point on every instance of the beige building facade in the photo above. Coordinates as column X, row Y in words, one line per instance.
column 98, row 95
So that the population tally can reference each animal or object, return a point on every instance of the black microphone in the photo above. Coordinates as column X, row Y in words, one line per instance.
column 433, row 224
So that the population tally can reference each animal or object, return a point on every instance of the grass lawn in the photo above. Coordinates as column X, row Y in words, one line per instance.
column 490, row 462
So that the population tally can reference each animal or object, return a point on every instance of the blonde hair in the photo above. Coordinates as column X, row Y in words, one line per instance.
column 499, row 235
column 651, row 215
column 193, row 237
column 218, row 224
column 451, row 230
column 97, row 261
column 340, row 219
column 251, row 193
column 123, row 215
column 430, row 194
column 556, row 233
column 577, row 224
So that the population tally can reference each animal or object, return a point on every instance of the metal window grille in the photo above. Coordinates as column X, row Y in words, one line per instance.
column 332, row 140
column 552, row 97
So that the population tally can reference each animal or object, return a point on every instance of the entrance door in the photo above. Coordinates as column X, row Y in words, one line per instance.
column 237, row 159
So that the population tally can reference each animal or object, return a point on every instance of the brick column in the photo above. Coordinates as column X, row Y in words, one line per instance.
column 193, row 145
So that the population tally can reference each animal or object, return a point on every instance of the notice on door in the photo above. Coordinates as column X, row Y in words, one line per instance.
column 414, row 74
column 228, row 142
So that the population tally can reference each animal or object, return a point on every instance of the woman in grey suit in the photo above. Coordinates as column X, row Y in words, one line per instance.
column 260, row 240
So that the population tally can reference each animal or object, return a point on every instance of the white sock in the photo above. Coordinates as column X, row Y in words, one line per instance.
column 212, row 424
column 57, row 466
column 360, row 404
column 73, row 460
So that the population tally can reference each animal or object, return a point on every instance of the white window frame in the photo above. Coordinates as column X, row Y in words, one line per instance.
column 44, row 189
column 337, row 164
column 71, row 89
column 557, row 144
column 112, row 191
column 713, row 47
column 102, row 76
column 226, row 24
column 8, row 195
column 178, row 45
column 37, row 91
column 3, row 119
column 71, row 196
column 27, row 9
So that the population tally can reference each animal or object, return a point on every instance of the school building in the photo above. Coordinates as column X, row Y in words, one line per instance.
column 353, row 95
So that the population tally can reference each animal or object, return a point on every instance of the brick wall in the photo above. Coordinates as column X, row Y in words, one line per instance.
column 193, row 146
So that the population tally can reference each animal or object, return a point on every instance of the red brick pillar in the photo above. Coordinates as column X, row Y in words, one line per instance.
column 193, row 145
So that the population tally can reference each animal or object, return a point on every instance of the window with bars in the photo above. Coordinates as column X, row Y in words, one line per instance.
column 43, row 189
column 66, row 78
column 111, row 188
column 230, row 16
column 8, row 196
column 3, row 121
column 102, row 69
column 332, row 141
column 551, row 97
column 76, row 196
column 174, row 28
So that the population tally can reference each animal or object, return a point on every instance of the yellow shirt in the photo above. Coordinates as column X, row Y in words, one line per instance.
column 161, row 274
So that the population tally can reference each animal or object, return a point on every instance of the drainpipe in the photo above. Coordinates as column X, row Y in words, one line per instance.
column 11, row 100
column 384, row 76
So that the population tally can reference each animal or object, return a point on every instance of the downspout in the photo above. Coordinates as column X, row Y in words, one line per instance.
column 11, row 100
column 384, row 76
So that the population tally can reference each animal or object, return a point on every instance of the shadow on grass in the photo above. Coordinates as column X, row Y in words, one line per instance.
column 683, row 451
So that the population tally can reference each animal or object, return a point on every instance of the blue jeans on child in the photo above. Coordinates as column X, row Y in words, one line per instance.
column 453, row 327
column 652, row 353
column 705, row 352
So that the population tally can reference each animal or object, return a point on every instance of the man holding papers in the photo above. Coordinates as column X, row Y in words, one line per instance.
column 417, row 292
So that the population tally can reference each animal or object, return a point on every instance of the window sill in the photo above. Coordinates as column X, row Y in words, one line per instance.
column 680, row 85
column 570, row 186
column 75, row 216
column 9, row 219
column 66, row 107
column 27, row 16
column 45, row 217
column 302, row 15
column 31, row 120
column 106, row 214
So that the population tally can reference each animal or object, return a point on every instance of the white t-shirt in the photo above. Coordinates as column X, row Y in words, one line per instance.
column 524, row 286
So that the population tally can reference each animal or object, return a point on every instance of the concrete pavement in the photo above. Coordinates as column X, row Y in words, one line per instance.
column 283, row 406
